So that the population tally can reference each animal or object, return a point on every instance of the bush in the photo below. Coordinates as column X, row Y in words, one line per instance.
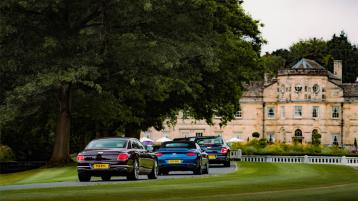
column 263, row 143
column 6, row 154
column 261, row 147
column 274, row 149
column 249, row 150
column 255, row 134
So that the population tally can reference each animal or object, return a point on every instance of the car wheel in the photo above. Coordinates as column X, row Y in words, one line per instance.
column 227, row 163
column 84, row 177
column 198, row 170
column 206, row 171
column 154, row 173
column 163, row 172
column 134, row 174
column 106, row 177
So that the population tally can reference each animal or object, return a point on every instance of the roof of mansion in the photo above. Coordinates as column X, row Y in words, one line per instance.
column 303, row 67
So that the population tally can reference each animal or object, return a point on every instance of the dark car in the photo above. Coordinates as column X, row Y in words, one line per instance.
column 109, row 157
column 218, row 151
column 216, row 148
column 182, row 156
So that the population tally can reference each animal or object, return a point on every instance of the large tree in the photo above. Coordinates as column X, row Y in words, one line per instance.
column 125, row 64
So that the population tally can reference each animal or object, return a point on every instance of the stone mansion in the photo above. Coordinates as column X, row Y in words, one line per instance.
column 299, row 101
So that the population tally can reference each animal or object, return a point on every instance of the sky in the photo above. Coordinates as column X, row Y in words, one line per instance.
column 288, row 21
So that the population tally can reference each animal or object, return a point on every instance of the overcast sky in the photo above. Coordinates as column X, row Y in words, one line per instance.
column 288, row 21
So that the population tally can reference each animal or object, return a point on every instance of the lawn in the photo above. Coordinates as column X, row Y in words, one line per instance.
column 41, row 175
column 252, row 181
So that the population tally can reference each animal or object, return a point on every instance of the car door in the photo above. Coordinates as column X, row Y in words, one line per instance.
column 145, row 162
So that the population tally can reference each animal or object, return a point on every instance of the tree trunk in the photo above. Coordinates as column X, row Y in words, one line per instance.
column 61, row 149
column 132, row 132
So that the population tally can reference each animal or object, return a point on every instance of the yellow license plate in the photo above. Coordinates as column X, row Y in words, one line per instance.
column 212, row 156
column 100, row 166
column 174, row 161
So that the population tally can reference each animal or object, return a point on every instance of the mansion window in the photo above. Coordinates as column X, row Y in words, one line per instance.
column 270, row 112
column 199, row 134
column 238, row 114
column 298, row 111
column 335, row 112
column 315, row 112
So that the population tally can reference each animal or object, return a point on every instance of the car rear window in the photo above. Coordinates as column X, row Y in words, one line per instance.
column 107, row 143
column 210, row 141
column 179, row 145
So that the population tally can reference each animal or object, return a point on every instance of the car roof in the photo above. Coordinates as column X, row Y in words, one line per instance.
column 124, row 138
column 188, row 142
column 209, row 137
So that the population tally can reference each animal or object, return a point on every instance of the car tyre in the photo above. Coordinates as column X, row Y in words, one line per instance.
column 206, row 170
column 227, row 163
column 106, row 177
column 198, row 170
column 84, row 177
column 154, row 173
column 163, row 172
column 134, row 174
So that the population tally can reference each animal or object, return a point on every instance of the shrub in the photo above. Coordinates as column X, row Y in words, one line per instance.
column 249, row 150
column 263, row 143
column 274, row 149
column 6, row 154
column 255, row 134
column 316, row 138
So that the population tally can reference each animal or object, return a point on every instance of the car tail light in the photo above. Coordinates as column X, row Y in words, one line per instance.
column 80, row 157
column 159, row 154
column 122, row 157
column 224, row 150
column 191, row 154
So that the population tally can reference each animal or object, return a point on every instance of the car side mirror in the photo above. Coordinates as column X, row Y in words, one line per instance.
column 149, row 148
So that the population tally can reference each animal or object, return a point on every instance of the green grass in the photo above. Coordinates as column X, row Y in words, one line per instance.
column 42, row 175
column 253, row 181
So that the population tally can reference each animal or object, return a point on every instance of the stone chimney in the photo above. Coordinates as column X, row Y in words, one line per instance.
column 337, row 68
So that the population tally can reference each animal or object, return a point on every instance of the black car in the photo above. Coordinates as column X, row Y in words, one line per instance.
column 218, row 151
column 107, row 157
column 182, row 156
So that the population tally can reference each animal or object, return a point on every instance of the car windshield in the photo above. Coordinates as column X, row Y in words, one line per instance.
column 179, row 145
column 210, row 141
column 107, row 143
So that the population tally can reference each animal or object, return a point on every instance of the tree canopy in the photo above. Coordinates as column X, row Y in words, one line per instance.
column 322, row 51
column 72, row 68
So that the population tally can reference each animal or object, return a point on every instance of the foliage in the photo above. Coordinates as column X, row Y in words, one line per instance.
column 255, row 134
column 271, row 64
column 88, row 67
column 322, row 51
column 6, row 154
column 255, row 147
column 316, row 138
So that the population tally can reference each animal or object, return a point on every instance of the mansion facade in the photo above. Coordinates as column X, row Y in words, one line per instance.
column 298, row 102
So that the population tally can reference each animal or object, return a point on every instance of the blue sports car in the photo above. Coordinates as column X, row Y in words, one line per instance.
column 182, row 156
